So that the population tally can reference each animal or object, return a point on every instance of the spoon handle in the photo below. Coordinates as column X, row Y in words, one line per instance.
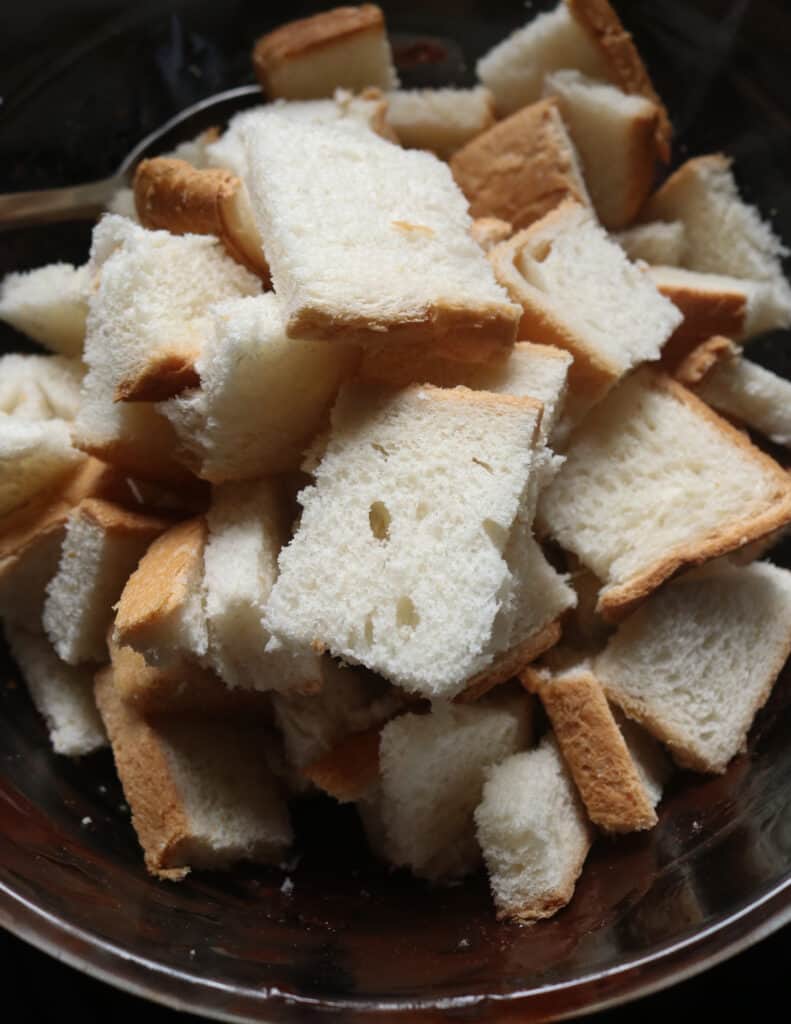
column 75, row 202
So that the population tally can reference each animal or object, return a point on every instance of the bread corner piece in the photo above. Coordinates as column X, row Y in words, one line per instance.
column 440, row 120
column 200, row 792
column 636, row 506
column 345, row 47
column 390, row 260
column 534, row 833
column 522, row 167
column 695, row 663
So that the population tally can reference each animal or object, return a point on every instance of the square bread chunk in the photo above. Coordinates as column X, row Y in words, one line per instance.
column 200, row 792
column 370, row 243
column 441, row 120
column 698, row 660
column 659, row 243
column 345, row 47
column 636, row 504
column 49, row 305
column 399, row 562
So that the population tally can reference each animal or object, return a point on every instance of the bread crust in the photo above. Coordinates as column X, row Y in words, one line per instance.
column 706, row 313
column 703, row 359
column 126, row 456
column 626, row 67
column 521, row 168
column 350, row 769
column 642, row 154
column 117, row 520
column 616, row 601
column 593, row 749
column 490, row 231
column 680, row 179
column 165, row 375
column 511, row 663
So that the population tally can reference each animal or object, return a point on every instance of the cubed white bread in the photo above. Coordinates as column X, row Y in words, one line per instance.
column 534, row 833
column 63, row 695
column 615, row 136
column 262, row 396
column 230, row 150
column 522, row 167
column 698, row 660
column 441, row 120
column 35, row 455
column 248, row 524
column 432, row 771
column 722, row 233
column 388, row 258
column 595, row 750
column 660, row 243
column 102, row 546
column 743, row 391
column 489, row 231
column 345, row 47
column 200, row 792
column 398, row 562
column 578, row 290
column 636, row 506
column 40, row 387
column 49, row 304
column 160, row 613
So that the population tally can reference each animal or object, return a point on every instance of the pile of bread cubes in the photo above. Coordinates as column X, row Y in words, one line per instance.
column 394, row 446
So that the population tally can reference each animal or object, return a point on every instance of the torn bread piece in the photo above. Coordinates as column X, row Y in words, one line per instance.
column 172, row 195
column 63, row 695
column 636, row 506
column 350, row 771
column 102, row 546
column 615, row 135
column 40, row 387
column 406, row 568
column 35, row 455
column 345, row 47
column 698, row 660
column 262, row 397
column 160, row 613
column 522, row 167
column 723, row 234
column 659, row 243
column 389, row 260
column 432, row 770
column 742, row 390
column 440, row 120
column 578, row 290
column 534, row 833
column 200, row 792
column 490, row 231
column 49, row 305
column 606, row 772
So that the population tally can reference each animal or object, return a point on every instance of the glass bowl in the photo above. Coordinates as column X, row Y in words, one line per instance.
column 81, row 83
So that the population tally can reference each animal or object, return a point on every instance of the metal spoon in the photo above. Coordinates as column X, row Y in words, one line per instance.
column 81, row 202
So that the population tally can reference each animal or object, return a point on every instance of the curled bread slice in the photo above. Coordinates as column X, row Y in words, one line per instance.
column 49, row 304
column 346, row 47
column 521, row 168
column 658, row 243
column 172, row 195
column 441, row 120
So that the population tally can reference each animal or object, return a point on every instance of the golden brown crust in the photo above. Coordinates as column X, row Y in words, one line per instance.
column 679, row 181
column 490, row 231
column 594, row 751
column 350, row 769
column 624, row 62
column 703, row 359
column 117, row 520
column 511, row 663
column 165, row 375
column 521, row 168
column 307, row 35
column 642, row 157
column 616, row 601
column 160, row 586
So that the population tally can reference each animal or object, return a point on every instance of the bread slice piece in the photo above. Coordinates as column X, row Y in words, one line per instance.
column 40, row 387
column 636, row 506
column 172, row 195
column 615, row 135
column 595, row 750
column 34, row 457
column 578, row 290
column 406, row 574
column 722, row 233
column 534, row 834
column 200, row 792
column 441, row 120
column 346, row 47
column 49, row 305
column 740, row 389
column 102, row 546
column 262, row 395
column 390, row 259
column 160, row 613
column 660, row 243
column 522, row 167
column 489, row 231
column 350, row 771
column 63, row 695
column 432, row 773
column 698, row 660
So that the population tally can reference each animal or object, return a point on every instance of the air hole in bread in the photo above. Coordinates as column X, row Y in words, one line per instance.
column 379, row 518
column 422, row 510
column 368, row 629
column 381, row 449
column 496, row 533
column 406, row 613
column 482, row 464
